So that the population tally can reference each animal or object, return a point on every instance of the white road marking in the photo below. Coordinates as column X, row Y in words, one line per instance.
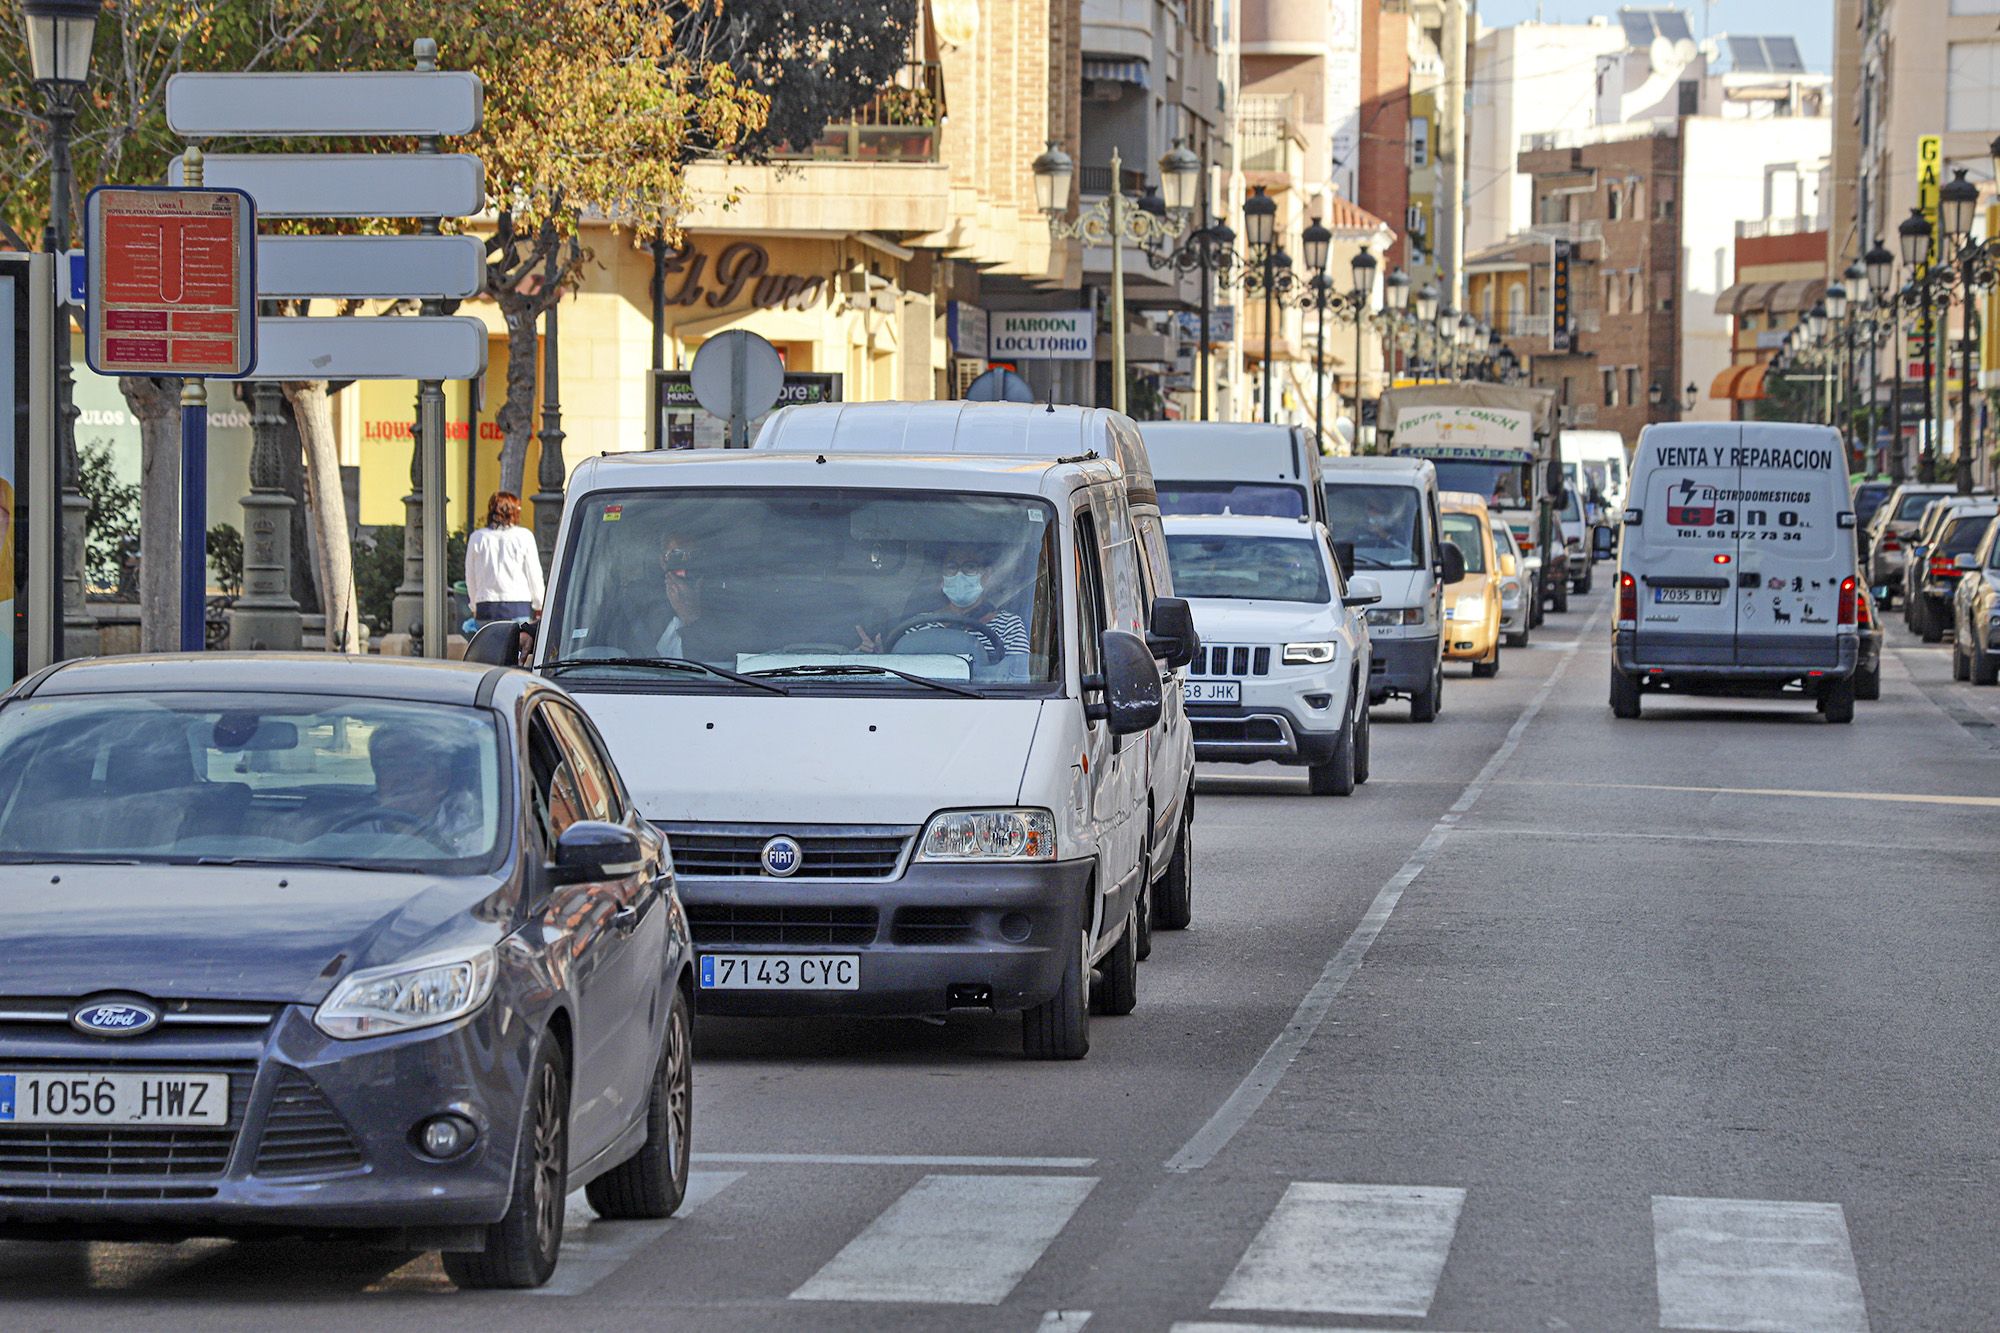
column 1624, row 835
column 952, row 1240
column 1270, row 1068
column 891, row 1159
column 1899, row 797
column 1063, row 1321
column 1755, row 1264
column 1348, row 1249
column 1212, row 1326
column 594, row 1249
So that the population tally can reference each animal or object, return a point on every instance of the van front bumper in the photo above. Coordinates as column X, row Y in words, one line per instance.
column 942, row 936
column 1400, row 666
column 1724, row 667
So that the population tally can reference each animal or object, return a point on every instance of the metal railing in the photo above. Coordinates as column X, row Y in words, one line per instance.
column 1793, row 226
column 1267, row 128
column 899, row 124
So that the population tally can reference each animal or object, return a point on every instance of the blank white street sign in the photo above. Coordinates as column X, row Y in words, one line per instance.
column 370, row 347
column 384, row 266
column 349, row 185
column 305, row 104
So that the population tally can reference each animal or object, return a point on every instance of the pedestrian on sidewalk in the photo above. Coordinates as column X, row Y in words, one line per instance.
column 503, row 567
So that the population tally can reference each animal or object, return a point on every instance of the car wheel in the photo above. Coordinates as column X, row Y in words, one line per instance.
column 1868, row 684
column 1985, row 666
column 1425, row 703
column 1335, row 777
column 1583, row 584
column 1119, row 995
column 1960, row 668
column 1173, row 896
column 1624, row 694
column 522, row 1247
column 654, row 1180
column 1364, row 728
column 1518, row 640
column 1930, row 625
column 1145, row 922
column 1837, row 701
column 1561, row 596
column 1059, row 1027
column 1490, row 667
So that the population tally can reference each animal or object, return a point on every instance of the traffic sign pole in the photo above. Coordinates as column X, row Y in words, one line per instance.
column 194, row 489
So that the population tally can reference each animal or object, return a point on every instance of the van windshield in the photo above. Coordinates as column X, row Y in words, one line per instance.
column 850, row 590
column 1381, row 521
column 1503, row 484
column 1260, row 499
column 1276, row 569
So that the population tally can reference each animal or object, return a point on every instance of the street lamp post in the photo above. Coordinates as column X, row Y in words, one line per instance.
column 60, row 34
column 1915, row 234
column 1427, row 311
column 1396, row 298
column 1318, row 239
column 1836, row 311
column 1364, row 266
column 1260, row 222
column 1816, row 329
column 1855, row 280
column 1958, row 200
column 1881, row 273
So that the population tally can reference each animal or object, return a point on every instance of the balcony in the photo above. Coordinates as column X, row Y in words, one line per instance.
column 1268, row 129
column 900, row 125
column 1526, row 326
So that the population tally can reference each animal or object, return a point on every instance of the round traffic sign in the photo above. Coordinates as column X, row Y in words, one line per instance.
column 737, row 374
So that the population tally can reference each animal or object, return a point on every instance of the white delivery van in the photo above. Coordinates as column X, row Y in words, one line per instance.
column 1596, row 461
column 1235, row 467
column 1383, row 516
column 1736, row 568
column 1018, row 430
column 888, row 711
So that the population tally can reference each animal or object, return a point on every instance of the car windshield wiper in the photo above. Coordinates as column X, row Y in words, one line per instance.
column 860, row 669
column 306, row 863
column 664, row 664
column 65, row 858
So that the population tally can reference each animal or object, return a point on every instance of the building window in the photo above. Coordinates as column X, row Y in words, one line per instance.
column 1634, row 290
column 1611, row 204
column 1611, row 306
column 1517, row 306
column 1638, row 199
column 1690, row 102
column 1610, row 387
column 1972, row 86
column 1420, row 142
column 1632, row 384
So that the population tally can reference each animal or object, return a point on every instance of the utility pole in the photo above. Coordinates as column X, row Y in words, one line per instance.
column 1451, row 244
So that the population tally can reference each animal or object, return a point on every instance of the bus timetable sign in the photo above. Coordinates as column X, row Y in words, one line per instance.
column 173, row 285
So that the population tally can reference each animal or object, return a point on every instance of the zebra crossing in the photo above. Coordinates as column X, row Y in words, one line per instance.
column 1325, row 1250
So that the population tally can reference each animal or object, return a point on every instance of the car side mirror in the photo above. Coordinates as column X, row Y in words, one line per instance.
column 1968, row 561
column 502, row 643
column 591, row 851
column 1453, row 561
column 1130, row 685
column 1363, row 591
column 1508, row 565
column 1343, row 555
column 1172, row 638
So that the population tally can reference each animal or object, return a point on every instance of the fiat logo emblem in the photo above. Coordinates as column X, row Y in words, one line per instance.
column 782, row 857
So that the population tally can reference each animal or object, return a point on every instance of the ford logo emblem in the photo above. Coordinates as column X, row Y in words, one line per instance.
column 782, row 857
column 115, row 1017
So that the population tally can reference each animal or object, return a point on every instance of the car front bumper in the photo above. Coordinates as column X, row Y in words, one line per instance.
column 1471, row 640
column 1253, row 733
column 935, row 939
column 1401, row 666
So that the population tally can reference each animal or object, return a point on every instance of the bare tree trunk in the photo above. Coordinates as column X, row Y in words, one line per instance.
column 327, row 512
column 156, row 403
column 516, row 417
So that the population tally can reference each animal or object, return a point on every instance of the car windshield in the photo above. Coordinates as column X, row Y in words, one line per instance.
column 1277, row 569
column 290, row 780
column 1258, row 499
column 1381, row 521
column 1463, row 531
column 1912, row 507
column 820, row 588
column 1502, row 484
column 1963, row 535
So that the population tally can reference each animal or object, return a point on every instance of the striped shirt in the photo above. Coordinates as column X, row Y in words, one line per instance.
column 1006, row 626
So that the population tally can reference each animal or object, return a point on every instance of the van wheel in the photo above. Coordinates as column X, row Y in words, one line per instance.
column 1985, row 668
column 522, row 1247
column 1119, row 972
column 1364, row 727
column 1059, row 1027
column 652, row 1183
column 1960, row 668
column 1624, row 694
column 1425, row 703
column 1335, row 777
column 1518, row 640
column 1490, row 667
column 1837, row 701
column 1868, row 684
column 1561, row 596
column 1146, row 918
column 1173, row 896
column 1583, row 584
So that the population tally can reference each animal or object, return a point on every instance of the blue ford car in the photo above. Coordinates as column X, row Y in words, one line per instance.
column 317, row 944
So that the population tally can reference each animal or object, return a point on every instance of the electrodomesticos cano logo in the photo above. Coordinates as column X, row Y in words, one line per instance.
column 1698, row 504
column 1688, row 513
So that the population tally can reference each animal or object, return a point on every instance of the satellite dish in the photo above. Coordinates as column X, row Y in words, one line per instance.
column 1661, row 56
column 1685, row 51
column 999, row 385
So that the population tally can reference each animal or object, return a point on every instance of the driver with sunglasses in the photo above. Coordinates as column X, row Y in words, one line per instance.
column 678, row 558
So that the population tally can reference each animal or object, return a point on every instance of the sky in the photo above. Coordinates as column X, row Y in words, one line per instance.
column 1811, row 21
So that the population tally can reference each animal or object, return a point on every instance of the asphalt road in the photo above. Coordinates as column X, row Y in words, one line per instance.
column 1560, row 1023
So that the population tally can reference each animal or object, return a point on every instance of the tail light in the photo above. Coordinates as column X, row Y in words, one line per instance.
column 1944, row 566
column 1891, row 542
column 1628, row 600
column 1863, row 615
column 1847, row 600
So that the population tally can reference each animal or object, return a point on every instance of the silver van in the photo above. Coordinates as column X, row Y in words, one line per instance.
column 1235, row 467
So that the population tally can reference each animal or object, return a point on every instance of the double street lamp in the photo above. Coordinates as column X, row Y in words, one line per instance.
column 1914, row 233
column 1958, row 202
column 1881, row 268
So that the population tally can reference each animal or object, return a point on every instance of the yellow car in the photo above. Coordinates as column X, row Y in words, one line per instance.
column 1472, row 608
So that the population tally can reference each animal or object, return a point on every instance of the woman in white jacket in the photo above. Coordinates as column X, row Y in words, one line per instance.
column 503, row 567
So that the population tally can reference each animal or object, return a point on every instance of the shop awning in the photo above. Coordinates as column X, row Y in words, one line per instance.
column 1778, row 298
column 1740, row 383
column 1115, row 71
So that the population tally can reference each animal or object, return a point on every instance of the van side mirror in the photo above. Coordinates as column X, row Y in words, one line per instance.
column 591, row 851
column 1452, row 561
column 1603, row 542
column 1130, row 684
column 1172, row 637
column 502, row 643
column 1363, row 591
column 1555, row 484
column 1343, row 555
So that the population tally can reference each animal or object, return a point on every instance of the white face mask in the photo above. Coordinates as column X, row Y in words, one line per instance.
column 963, row 589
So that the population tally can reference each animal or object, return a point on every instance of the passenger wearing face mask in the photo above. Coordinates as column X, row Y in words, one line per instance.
column 965, row 583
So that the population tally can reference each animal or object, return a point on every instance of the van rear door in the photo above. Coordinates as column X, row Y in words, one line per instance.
column 1794, row 553
column 1686, row 571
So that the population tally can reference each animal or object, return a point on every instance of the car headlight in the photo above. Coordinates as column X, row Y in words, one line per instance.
column 989, row 835
column 414, row 994
column 1470, row 606
column 1309, row 654
column 1395, row 615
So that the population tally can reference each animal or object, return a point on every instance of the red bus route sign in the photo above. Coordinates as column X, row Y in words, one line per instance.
column 173, row 283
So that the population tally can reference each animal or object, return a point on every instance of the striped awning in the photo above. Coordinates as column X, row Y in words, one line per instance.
column 1777, row 298
column 1115, row 71
column 1740, row 383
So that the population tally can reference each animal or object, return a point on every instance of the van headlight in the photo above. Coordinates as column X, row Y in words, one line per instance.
column 989, row 835
column 1381, row 616
column 414, row 994
column 1309, row 654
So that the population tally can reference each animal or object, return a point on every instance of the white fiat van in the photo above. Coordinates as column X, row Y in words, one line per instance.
column 1235, row 467
column 1736, row 568
column 888, row 711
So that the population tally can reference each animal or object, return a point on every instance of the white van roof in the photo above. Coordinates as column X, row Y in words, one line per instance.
column 1375, row 470
column 662, row 468
column 1225, row 451
column 997, row 430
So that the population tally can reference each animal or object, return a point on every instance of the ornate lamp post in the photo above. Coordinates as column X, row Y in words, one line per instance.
column 1364, row 266
column 1958, row 203
column 60, row 34
column 1396, row 299
column 1855, row 279
column 1881, row 269
column 1272, row 271
column 1209, row 249
column 1116, row 222
column 1427, row 313
column 1914, row 234
column 1317, row 240
column 1843, row 327
column 1816, row 331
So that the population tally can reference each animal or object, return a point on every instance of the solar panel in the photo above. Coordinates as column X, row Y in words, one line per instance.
column 1643, row 25
column 1764, row 55
column 1784, row 55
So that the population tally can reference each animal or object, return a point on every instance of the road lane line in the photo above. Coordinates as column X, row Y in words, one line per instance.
column 1596, row 835
column 1788, row 793
column 1265, row 1075
column 1347, row 1249
column 1213, row 1326
column 594, row 1249
column 893, row 1159
column 1063, row 1321
column 1755, row 1264
column 952, row 1240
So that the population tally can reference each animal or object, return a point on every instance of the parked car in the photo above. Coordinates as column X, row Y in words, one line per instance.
column 1282, row 674
column 1577, row 529
column 1975, row 640
column 1868, row 659
column 1889, row 534
column 1916, row 552
column 1235, row 467
column 1870, row 493
column 1957, row 533
column 1513, row 587
column 1737, row 566
column 1472, row 617
column 313, row 944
